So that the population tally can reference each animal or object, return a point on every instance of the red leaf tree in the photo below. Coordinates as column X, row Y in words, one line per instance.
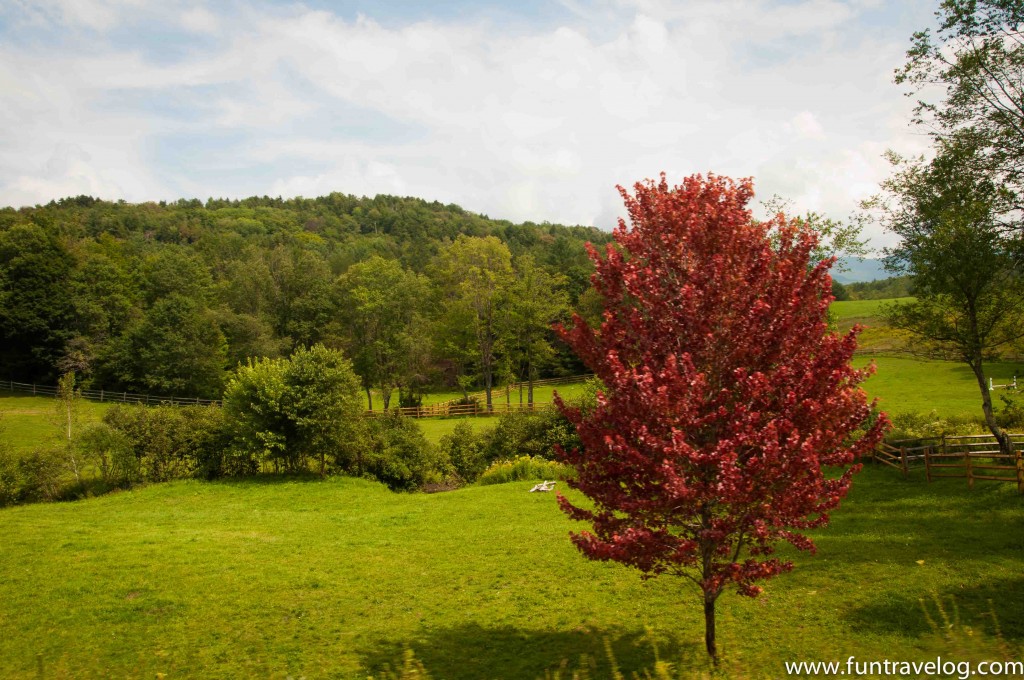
column 725, row 396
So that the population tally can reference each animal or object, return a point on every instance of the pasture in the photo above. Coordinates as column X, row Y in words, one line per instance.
column 336, row 578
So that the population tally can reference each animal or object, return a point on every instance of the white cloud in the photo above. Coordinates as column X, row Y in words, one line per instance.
column 523, row 125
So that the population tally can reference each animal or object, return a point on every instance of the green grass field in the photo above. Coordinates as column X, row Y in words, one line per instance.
column 902, row 384
column 27, row 421
column 912, row 385
column 281, row 579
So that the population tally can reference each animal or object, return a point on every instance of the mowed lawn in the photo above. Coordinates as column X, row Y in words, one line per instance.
column 905, row 385
column 28, row 422
column 336, row 579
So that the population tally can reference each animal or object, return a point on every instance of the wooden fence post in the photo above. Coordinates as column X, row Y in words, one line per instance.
column 1020, row 472
column 970, row 472
column 928, row 464
column 903, row 461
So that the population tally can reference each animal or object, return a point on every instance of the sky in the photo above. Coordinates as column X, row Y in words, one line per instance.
column 523, row 111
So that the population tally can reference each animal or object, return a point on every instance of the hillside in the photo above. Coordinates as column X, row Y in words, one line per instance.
column 167, row 298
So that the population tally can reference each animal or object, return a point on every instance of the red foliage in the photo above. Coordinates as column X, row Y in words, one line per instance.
column 725, row 394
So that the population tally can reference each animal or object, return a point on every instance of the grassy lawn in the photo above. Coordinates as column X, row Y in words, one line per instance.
column 27, row 421
column 948, row 388
column 861, row 311
column 334, row 579
column 902, row 385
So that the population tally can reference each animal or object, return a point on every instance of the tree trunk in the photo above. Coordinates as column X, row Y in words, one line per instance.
column 1005, row 444
column 369, row 398
column 709, row 626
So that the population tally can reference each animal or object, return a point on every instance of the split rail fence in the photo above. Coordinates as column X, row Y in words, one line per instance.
column 970, row 457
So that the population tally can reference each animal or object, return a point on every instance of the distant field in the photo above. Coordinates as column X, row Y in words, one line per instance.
column 914, row 385
column 902, row 385
column 277, row 579
column 27, row 421
column 853, row 311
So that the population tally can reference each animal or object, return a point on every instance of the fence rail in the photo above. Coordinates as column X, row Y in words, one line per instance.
column 432, row 411
column 107, row 395
column 970, row 457
column 515, row 387
column 447, row 409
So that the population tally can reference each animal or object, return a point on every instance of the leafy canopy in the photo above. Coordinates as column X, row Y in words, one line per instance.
column 726, row 398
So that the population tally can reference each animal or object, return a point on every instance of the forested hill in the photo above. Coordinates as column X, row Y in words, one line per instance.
column 164, row 298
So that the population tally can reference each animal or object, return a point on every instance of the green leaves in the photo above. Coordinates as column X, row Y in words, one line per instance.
column 290, row 411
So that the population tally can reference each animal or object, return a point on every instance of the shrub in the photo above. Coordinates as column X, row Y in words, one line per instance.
column 1011, row 415
column 523, row 468
column 291, row 411
column 10, row 476
column 464, row 450
column 931, row 425
column 110, row 451
column 529, row 434
column 42, row 473
column 396, row 453
column 160, row 443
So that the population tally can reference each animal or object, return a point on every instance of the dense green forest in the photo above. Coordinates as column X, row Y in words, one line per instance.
column 167, row 298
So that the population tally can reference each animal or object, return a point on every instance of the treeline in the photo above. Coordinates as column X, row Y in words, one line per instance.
column 167, row 298
column 884, row 289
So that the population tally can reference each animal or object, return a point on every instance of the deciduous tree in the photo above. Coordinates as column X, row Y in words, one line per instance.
column 292, row 410
column 968, row 77
column 475, row 273
column 726, row 400
column 965, row 266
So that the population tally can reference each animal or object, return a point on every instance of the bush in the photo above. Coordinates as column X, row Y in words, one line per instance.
column 10, row 476
column 1011, row 415
column 42, row 474
column 927, row 426
column 529, row 434
column 524, row 468
column 396, row 453
column 110, row 451
column 297, row 410
column 464, row 450
column 160, row 443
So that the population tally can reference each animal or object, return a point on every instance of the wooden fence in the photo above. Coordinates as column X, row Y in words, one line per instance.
column 970, row 457
column 515, row 387
column 106, row 395
column 448, row 409
column 432, row 411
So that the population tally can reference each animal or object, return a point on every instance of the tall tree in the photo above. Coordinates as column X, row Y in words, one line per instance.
column 176, row 349
column 725, row 397
column 536, row 300
column 475, row 274
column 965, row 266
column 36, row 312
column 969, row 77
column 377, row 304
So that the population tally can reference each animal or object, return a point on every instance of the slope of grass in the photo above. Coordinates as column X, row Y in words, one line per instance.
column 336, row 578
column 906, row 385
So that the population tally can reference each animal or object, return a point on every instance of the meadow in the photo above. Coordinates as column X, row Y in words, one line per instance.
column 337, row 578
column 290, row 577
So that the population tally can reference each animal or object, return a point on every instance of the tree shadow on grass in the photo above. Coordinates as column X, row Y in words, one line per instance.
column 995, row 607
column 268, row 479
column 892, row 520
column 472, row 651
